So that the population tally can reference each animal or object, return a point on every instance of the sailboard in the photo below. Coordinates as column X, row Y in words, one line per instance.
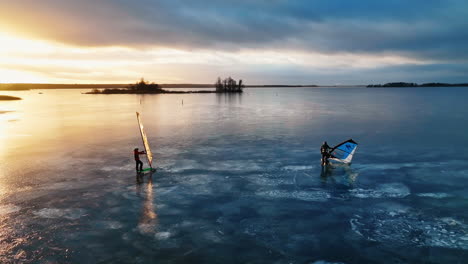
column 149, row 154
column 344, row 151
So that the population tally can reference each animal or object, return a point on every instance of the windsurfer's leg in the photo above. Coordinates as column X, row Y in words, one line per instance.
column 141, row 165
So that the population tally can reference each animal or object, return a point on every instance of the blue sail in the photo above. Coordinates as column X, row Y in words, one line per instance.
column 344, row 151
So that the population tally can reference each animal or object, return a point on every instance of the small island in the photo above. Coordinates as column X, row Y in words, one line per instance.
column 405, row 84
column 227, row 85
column 8, row 98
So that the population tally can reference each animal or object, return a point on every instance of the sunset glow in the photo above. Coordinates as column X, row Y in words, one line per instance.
column 176, row 43
column 36, row 61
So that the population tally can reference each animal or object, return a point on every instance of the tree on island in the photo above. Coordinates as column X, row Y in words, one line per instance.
column 228, row 85
column 140, row 87
column 143, row 86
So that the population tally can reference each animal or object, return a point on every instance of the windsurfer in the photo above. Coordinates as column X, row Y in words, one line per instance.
column 139, row 164
column 324, row 150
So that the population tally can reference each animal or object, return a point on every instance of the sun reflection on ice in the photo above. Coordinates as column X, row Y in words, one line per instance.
column 148, row 217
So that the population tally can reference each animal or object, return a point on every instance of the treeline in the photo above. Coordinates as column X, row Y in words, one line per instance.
column 29, row 86
column 405, row 84
column 228, row 85
column 140, row 87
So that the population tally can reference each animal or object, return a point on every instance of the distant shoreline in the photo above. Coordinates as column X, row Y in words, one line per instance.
column 410, row 85
column 122, row 91
column 32, row 86
column 46, row 86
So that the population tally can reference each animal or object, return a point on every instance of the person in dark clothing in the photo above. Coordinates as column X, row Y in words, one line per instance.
column 325, row 151
column 139, row 164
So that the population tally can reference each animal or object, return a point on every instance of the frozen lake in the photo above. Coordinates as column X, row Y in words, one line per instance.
column 238, row 177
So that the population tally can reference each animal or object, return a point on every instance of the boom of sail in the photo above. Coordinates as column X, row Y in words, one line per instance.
column 344, row 151
column 149, row 154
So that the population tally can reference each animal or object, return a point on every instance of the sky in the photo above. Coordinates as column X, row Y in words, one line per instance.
column 332, row 42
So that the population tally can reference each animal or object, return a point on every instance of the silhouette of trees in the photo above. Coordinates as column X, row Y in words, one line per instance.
column 143, row 86
column 228, row 85
column 140, row 87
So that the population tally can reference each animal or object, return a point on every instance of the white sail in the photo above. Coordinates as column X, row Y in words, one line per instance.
column 149, row 154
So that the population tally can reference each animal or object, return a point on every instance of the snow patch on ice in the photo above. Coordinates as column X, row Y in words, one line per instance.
column 297, row 167
column 265, row 181
column 183, row 165
column 311, row 196
column 435, row 195
column 8, row 209
column 236, row 165
column 70, row 213
column 389, row 190
column 162, row 235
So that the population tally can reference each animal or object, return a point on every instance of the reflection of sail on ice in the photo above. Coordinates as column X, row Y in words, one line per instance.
column 344, row 151
column 149, row 155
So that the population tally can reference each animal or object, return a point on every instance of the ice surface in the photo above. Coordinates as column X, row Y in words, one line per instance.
column 409, row 229
column 238, row 178
column 298, row 167
column 162, row 235
column 388, row 190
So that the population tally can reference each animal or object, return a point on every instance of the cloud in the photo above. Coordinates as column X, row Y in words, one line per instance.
column 423, row 29
column 263, row 41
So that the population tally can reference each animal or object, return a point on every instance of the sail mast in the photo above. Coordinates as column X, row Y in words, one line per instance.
column 149, row 154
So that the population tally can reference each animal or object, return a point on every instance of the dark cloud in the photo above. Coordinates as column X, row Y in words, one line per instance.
column 421, row 28
column 432, row 30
